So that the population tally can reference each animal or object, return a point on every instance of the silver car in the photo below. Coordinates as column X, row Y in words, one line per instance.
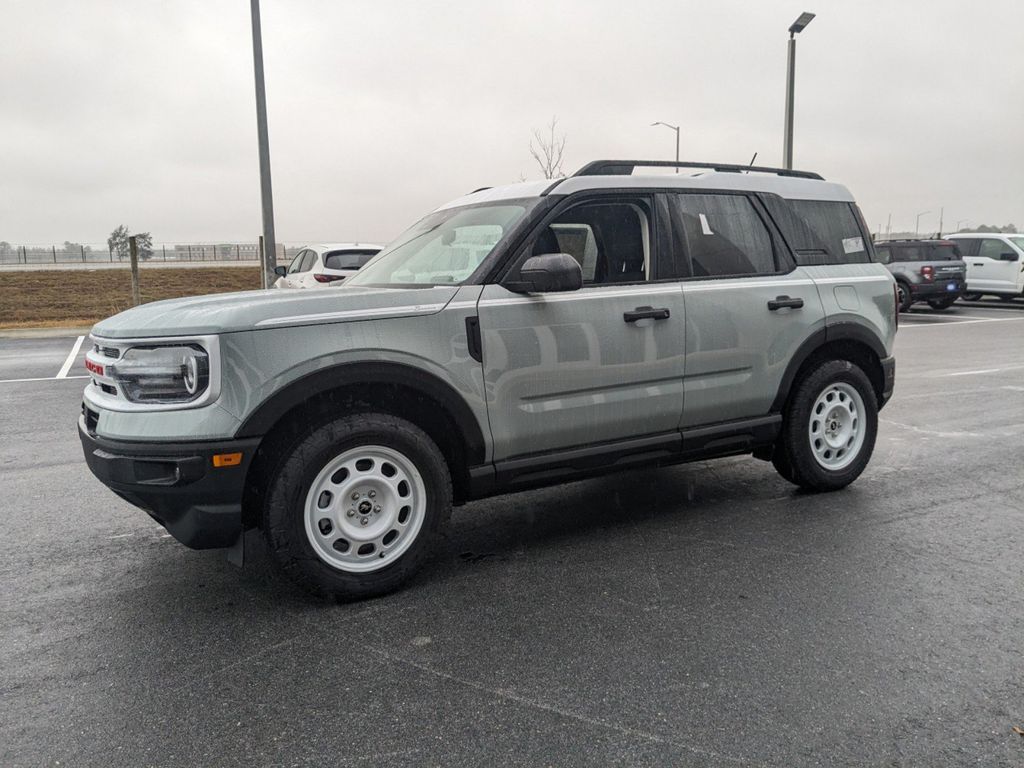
column 520, row 336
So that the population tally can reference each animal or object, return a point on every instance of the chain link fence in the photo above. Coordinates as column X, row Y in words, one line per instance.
column 81, row 253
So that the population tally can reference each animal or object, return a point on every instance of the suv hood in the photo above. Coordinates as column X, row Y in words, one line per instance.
column 253, row 310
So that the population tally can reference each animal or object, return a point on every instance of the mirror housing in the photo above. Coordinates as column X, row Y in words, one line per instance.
column 548, row 273
column 1009, row 256
column 281, row 271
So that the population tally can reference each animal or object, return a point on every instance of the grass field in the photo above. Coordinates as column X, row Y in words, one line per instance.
column 83, row 297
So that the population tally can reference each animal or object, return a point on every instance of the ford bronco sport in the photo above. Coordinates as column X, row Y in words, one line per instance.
column 519, row 336
column 925, row 270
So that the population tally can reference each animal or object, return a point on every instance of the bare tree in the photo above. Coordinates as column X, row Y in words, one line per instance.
column 549, row 151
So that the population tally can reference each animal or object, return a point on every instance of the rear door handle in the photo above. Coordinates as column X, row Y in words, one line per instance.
column 781, row 302
column 976, row 264
column 643, row 313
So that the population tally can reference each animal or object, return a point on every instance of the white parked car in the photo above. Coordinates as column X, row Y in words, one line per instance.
column 995, row 264
column 318, row 266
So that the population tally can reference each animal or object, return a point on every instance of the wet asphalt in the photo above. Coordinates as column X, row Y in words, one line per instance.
column 704, row 615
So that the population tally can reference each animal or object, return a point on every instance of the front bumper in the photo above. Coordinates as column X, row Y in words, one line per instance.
column 176, row 483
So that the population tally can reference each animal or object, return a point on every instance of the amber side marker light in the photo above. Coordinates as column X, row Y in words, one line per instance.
column 227, row 459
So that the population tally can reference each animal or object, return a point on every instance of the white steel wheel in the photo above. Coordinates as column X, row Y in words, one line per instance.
column 365, row 508
column 836, row 426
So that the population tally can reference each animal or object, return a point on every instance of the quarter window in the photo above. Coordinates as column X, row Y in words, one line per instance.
column 820, row 231
column 724, row 236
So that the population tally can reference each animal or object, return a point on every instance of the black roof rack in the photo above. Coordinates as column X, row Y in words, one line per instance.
column 626, row 167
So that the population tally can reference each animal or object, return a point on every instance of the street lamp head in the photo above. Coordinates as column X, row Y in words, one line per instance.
column 801, row 22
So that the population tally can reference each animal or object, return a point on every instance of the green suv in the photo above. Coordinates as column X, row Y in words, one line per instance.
column 519, row 336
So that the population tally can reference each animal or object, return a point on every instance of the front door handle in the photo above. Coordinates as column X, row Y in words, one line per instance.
column 784, row 302
column 643, row 313
column 976, row 264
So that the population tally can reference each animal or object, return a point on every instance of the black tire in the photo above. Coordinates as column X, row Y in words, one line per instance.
column 906, row 299
column 284, row 510
column 971, row 297
column 1007, row 296
column 940, row 304
column 794, row 456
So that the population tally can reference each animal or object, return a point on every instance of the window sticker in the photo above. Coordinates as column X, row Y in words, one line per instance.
column 704, row 226
column 853, row 244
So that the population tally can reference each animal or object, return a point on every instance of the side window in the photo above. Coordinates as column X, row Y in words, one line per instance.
column 968, row 245
column 991, row 248
column 725, row 236
column 820, row 231
column 610, row 240
column 884, row 254
column 296, row 265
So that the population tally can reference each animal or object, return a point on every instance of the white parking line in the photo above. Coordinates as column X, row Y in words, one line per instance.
column 904, row 326
column 985, row 370
column 44, row 378
column 63, row 373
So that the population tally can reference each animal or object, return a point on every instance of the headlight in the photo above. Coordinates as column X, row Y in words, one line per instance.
column 172, row 374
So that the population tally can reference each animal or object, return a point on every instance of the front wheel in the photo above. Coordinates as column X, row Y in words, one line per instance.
column 941, row 304
column 354, row 505
column 971, row 297
column 828, row 427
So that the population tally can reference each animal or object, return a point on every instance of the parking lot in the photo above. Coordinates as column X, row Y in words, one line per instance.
column 707, row 614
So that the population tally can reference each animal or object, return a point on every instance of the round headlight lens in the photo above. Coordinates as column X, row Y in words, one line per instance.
column 190, row 375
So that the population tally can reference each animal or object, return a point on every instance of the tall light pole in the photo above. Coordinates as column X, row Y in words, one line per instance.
column 917, row 223
column 676, row 129
column 266, row 197
column 787, row 144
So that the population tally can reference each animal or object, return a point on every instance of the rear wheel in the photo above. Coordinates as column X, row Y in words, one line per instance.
column 828, row 427
column 941, row 304
column 903, row 295
column 354, row 505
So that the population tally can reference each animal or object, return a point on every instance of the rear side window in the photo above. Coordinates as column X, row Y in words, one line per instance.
column 968, row 245
column 347, row 259
column 820, row 231
column 724, row 236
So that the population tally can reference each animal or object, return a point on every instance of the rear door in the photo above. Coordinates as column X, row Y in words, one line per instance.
column 593, row 367
column 747, row 307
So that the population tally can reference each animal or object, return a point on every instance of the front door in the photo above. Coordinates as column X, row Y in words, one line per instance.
column 592, row 366
column 991, row 272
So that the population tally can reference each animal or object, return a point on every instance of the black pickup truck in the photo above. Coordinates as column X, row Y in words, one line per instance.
column 925, row 270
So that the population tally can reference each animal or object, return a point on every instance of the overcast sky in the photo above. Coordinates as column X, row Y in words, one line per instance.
column 142, row 112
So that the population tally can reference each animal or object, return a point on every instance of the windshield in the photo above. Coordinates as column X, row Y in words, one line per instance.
column 442, row 248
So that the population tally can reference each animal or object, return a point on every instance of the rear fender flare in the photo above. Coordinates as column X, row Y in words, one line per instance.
column 820, row 338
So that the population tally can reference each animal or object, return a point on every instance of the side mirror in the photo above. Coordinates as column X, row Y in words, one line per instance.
column 1009, row 256
column 548, row 273
column 280, row 271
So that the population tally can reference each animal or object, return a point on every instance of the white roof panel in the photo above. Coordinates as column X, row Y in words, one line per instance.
column 790, row 187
